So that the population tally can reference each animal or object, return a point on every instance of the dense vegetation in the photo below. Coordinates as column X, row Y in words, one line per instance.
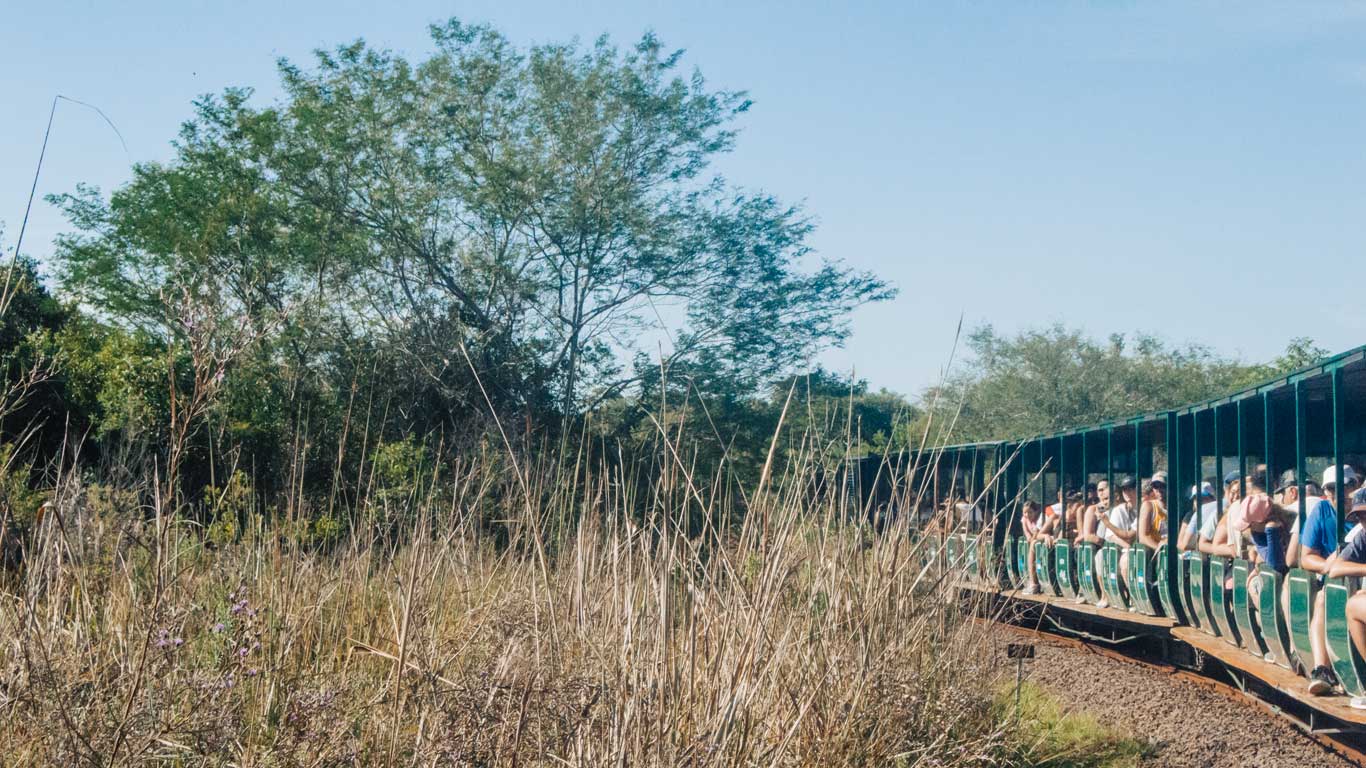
column 456, row 411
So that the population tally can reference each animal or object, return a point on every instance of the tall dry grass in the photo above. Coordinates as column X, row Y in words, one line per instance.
column 803, row 637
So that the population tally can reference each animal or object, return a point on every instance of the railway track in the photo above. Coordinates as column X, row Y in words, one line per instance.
column 1198, row 669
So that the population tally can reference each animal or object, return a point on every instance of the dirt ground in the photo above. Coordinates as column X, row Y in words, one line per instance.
column 1187, row 724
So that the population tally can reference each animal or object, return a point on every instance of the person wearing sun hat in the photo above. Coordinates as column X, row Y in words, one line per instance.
column 1351, row 561
column 1204, row 516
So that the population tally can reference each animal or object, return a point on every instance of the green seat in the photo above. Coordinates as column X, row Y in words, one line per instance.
column 990, row 570
column 1065, row 568
column 1013, row 578
column 1188, row 561
column 1346, row 661
column 1086, row 573
column 1201, row 584
column 1022, row 560
column 1043, row 569
column 1275, row 630
column 1109, row 576
column 1303, row 586
column 1168, row 593
column 971, row 565
column 953, row 550
column 1140, row 581
column 1219, row 602
column 1243, row 615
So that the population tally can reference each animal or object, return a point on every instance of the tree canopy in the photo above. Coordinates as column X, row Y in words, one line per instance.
column 546, row 218
column 1050, row 379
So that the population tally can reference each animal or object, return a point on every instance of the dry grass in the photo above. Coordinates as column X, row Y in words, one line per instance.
column 803, row 638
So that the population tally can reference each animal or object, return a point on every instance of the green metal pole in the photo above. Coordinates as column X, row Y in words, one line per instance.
column 1268, row 419
column 1340, row 488
column 1110, row 463
column 1219, row 453
column 1299, row 451
column 1062, row 485
column 1173, row 517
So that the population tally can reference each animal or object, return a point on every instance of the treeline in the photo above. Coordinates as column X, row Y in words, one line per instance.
column 400, row 259
column 493, row 249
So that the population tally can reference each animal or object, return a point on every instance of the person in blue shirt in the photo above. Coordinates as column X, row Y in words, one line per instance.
column 1318, row 544
column 1351, row 561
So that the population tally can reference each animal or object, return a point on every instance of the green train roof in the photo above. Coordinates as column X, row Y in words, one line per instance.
column 1325, row 366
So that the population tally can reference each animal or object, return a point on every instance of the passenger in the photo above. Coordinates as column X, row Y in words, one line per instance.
column 1318, row 542
column 1204, row 516
column 1076, row 514
column 1351, row 561
column 1152, row 515
column 1121, row 528
column 1092, row 530
column 1221, row 544
column 1032, row 527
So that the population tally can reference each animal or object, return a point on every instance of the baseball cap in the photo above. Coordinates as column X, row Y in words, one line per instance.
column 1289, row 479
column 1204, row 489
column 1126, row 482
column 1358, row 503
column 1330, row 475
column 1231, row 476
column 1160, row 478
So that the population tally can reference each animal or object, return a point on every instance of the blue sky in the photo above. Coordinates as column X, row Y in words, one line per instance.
column 1197, row 170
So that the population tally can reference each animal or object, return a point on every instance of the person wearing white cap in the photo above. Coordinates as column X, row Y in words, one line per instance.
column 1204, row 517
column 1351, row 561
column 1318, row 543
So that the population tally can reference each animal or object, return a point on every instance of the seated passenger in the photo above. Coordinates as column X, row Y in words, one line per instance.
column 1152, row 515
column 1076, row 512
column 1092, row 530
column 1318, row 542
column 1121, row 528
column 1351, row 561
column 1204, row 516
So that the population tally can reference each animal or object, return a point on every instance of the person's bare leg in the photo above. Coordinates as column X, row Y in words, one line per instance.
column 1356, row 621
column 1100, row 575
column 1124, row 568
column 1285, row 611
column 1318, row 632
column 1029, row 565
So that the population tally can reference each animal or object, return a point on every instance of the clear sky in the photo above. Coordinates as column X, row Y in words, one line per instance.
column 1197, row 170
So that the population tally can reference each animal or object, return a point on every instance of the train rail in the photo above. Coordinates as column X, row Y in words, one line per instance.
column 1175, row 651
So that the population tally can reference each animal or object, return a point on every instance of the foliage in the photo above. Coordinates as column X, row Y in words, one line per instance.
column 1046, row 380
column 1053, row 737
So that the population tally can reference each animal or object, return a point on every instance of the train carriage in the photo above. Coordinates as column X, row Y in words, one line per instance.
column 1311, row 421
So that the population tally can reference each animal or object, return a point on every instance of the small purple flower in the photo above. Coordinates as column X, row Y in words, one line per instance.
column 179, row 641
column 218, row 628
column 242, row 652
column 251, row 673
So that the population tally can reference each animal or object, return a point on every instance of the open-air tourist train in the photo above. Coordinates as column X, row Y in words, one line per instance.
column 1251, row 617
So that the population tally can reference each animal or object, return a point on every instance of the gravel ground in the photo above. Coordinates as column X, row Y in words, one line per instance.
column 1187, row 724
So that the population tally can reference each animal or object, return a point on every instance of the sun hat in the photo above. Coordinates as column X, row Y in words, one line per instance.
column 1204, row 489
column 1330, row 474
column 1251, row 511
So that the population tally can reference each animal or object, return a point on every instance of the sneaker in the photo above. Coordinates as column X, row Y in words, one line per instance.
column 1081, row 599
column 1032, row 589
column 1103, row 603
column 1357, row 702
column 1321, row 681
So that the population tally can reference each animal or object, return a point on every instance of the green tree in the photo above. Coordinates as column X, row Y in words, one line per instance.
column 1045, row 380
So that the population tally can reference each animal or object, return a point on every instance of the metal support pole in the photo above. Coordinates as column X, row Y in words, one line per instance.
column 1110, row 463
column 1300, row 424
column 1340, row 487
column 1062, row 485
